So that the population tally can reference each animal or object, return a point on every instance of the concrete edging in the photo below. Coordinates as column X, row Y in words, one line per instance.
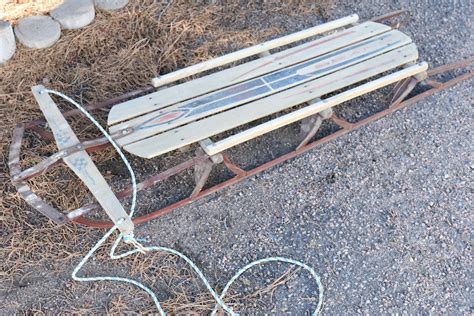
column 42, row 31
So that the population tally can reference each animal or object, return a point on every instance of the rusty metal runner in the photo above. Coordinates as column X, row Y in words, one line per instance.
column 78, row 216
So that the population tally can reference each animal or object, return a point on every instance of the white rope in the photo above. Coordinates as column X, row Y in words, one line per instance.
column 130, row 239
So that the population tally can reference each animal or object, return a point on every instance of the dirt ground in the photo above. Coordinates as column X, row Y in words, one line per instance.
column 382, row 214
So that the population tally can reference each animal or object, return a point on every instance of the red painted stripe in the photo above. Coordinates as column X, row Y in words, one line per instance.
column 332, row 61
column 165, row 118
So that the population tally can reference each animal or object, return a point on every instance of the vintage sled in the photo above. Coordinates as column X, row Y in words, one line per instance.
column 301, row 83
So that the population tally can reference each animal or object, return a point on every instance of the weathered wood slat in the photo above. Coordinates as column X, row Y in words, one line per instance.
column 181, row 113
column 321, row 105
column 80, row 162
column 195, row 131
column 168, row 96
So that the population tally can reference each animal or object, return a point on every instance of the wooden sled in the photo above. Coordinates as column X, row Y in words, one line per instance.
column 301, row 83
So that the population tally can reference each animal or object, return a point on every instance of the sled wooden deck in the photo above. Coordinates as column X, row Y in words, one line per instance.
column 196, row 110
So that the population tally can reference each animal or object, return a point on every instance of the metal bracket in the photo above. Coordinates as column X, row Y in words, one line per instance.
column 217, row 158
column 310, row 125
column 203, row 169
column 264, row 54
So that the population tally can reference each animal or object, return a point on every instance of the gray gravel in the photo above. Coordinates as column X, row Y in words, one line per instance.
column 382, row 214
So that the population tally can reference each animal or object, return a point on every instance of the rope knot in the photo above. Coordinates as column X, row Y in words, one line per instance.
column 131, row 240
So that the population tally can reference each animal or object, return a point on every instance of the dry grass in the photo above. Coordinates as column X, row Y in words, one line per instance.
column 117, row 53
column 12, row 10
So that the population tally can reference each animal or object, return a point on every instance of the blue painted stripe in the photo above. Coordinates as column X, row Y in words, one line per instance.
column 224, row 93
column 233, row 99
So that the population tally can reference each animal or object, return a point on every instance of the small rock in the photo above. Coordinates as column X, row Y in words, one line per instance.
column 7, row 38
column 37, row 31
column 74, row 14
column 110, row 5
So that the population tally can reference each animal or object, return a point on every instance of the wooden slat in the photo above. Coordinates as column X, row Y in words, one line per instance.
column 181, row 113
column 254, row 50
column 243, row 72
column 249, row 112
column 212, row 148
column 80, row 162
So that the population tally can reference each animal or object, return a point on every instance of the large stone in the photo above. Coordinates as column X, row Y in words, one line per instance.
column 7, row 41
column 74, row 14
column 37, row 31
column 110, row 5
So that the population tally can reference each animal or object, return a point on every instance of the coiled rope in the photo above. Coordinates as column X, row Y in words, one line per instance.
column 130, row 239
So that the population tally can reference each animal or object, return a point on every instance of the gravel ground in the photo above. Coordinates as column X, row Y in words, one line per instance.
column 382, row 214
